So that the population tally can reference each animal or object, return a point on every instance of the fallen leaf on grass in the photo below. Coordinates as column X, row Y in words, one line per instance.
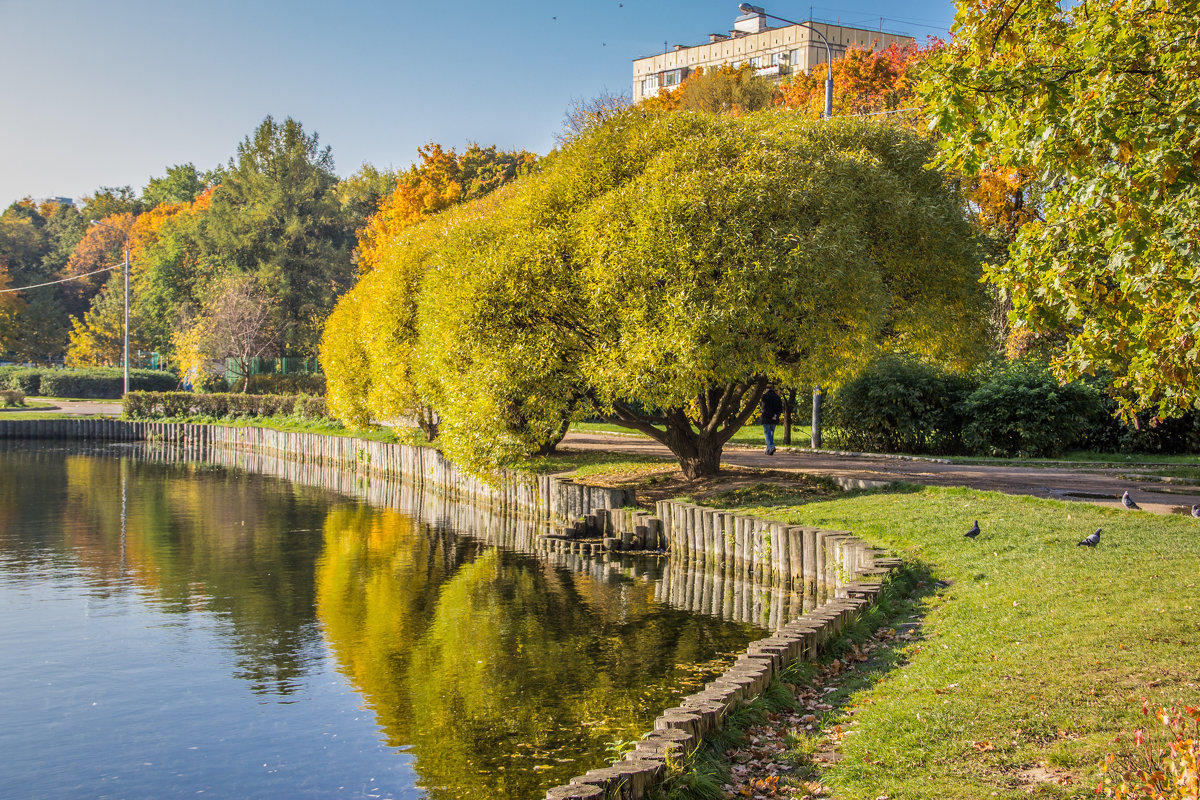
column 983, row 746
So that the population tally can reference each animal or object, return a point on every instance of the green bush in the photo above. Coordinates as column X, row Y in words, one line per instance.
column 275, row 383
column 96, row 383
column 1023, row 411
column 898, row 405
column 27, row 380
column 173, row 405
column 1148, row 435
column 13, row 398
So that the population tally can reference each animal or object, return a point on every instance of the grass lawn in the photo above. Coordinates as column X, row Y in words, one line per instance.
column 749, row 435
column 1032, row 654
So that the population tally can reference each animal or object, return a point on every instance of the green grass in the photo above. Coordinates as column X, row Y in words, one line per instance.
column 702, row 773
column 749, row 435
column 6, row 412
column 592, row 463
column 1033, row 652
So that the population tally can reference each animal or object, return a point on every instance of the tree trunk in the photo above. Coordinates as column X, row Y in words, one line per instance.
column 549, row 447
column 697, row 444
column 699, row 456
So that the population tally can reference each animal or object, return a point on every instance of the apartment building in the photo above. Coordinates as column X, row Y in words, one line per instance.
column 774, row 53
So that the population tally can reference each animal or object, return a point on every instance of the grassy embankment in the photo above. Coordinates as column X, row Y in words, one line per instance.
column 1033, row 653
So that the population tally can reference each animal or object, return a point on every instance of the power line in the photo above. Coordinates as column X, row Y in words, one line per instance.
column 64, row 280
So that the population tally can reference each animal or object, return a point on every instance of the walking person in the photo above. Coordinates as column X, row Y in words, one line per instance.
column 772, row 408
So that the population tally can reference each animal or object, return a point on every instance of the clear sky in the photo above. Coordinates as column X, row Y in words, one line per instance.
column 112, row 92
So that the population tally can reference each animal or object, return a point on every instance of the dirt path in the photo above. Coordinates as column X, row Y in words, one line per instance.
column 83, row 408
column 1093, row 485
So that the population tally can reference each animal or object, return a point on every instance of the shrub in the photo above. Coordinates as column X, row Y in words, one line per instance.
column 96, row 383
column 1149, row 435
column 12, row 397
column 274, row 383
column 898, row 405
column 1165, row 764
column 170, row 405
column 27, row 380
column 1022, row 411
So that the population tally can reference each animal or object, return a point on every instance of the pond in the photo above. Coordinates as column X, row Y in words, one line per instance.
column 173, row 626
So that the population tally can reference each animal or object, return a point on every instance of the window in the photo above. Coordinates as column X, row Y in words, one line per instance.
column 673, row 77
column 794, row 58
column 650, row 84
column 756, row 61
column 779, row 58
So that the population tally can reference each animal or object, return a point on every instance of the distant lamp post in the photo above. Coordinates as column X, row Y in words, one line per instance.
column 125, row 360
column 746, row 8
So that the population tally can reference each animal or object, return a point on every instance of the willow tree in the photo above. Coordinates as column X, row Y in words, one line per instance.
column 661, row 269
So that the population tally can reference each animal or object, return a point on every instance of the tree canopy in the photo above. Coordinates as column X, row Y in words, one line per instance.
column 1097, row 104
column 658, row 271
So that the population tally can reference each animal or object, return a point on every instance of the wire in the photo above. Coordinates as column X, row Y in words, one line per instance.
column 64, row 280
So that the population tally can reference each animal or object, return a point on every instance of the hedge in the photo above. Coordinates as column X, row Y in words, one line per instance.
column 170, row 405
column 1023, row 411
column 1019, row 409
column 899, row 405
column 275, row 383
column 97, row 383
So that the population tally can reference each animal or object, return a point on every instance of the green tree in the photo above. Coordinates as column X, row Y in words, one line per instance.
column 1096, row 103
column 363, row 192
column 276, row 215
column 663, row 267
column 111, row 200
column 35, row 244
column 183, row 183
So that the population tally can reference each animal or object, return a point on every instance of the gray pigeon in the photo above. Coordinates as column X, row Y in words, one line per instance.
column 1196, row 511
column 1092, row 540
column 1127, row 501
column 971, row 534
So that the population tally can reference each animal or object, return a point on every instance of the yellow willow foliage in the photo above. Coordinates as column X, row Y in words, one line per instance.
column 662, row 261
column 188, row 345
column 344, row 358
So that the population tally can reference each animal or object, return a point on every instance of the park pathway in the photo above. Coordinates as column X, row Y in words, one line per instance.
column 1081, row 483
column 1088, row 484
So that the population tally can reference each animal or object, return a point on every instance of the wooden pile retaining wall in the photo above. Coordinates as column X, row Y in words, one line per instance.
column 737, row 567
column 561, row 501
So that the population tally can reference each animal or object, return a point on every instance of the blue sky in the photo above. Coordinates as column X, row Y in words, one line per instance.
column 112, row 93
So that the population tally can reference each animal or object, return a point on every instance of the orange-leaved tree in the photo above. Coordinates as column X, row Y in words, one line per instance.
column 865, row 81
column 442, row 179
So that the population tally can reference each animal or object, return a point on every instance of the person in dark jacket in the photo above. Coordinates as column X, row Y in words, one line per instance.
column 772, row 408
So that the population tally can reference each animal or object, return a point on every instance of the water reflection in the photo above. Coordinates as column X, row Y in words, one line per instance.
column 495, row 672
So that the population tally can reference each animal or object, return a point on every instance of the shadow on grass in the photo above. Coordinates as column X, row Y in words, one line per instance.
column 797, row 491
column 789, row 735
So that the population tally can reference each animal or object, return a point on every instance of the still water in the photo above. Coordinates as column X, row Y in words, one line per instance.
column 173, row 627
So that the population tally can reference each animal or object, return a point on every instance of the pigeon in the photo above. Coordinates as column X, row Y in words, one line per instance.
column 971, row 534
column 1127, row 501
column 1196, row 511
column 1092, row 540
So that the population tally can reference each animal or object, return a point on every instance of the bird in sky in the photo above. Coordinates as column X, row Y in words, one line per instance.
column 1127, row 501
column 1092, row 540
column 971, row 534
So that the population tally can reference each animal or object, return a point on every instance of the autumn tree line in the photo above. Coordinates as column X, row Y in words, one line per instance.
column 242, row 261
column 1026, row 190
